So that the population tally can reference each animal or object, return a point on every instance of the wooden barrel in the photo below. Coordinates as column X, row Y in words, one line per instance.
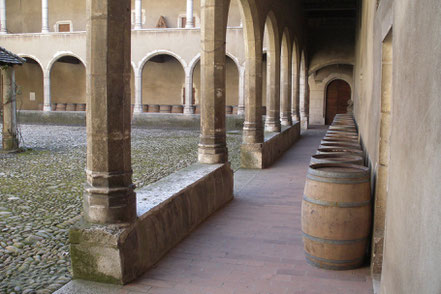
column 340, row 149
column 81, row 107
column 339, row 144
column 153, row 108
column 71, row 107
column 60, row 107
column 229, row 109
column 235, row 108
column 177, row 109
column 340, row 132
column 337, row 158
column 337, row 137
column 339, row 140
column 164, row 108
column 336, row 215
column 145, row 108
column 197, row 109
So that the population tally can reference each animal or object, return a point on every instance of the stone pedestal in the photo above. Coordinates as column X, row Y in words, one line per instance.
column 9, row 137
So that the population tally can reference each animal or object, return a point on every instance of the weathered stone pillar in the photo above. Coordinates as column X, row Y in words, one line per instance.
column 138, row 14
column 272, row 122
column 109, row 197
column 253, row 124
column 9, row 139
column 188, row 108
column 295, row 112
column 303, row 98
column 44, row 16
column 138, row 92
column 241, row 106
column 213, row 146
column 285, row 91
column 3, row 29
column 190, row 23
column 47, row 91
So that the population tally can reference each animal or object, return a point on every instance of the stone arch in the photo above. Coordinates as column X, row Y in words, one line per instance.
column 66, row 71
column 326, row 106
column 328, row 63
column 162, row 75
column 60, row 55
column 232, row 80
column 29, row 79
column 152, row 54
column 318, row 82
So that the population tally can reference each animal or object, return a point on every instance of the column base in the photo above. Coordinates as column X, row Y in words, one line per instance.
column 47, row 108
column 45, row 31
column 273, row 127
column 241, row 110
column 188, row 109
column 137, row 27
column 3, row 32
column 212, row 154
column 105, row 205
column 189, row 26
column 137, row 108
column 286, row 121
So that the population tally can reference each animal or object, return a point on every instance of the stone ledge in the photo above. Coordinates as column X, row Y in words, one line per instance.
column 168, row 211
column 263, row 155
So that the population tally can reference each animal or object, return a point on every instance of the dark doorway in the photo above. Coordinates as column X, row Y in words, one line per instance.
column 338, row 95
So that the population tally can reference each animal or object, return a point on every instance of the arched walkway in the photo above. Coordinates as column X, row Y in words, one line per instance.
column 338, row 94
column 231, row 85
column 29, row 80
column 67, row 83
column 163, row 78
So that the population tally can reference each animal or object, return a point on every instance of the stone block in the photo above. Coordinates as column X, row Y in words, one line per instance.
column 167, row 211
column 259, row 156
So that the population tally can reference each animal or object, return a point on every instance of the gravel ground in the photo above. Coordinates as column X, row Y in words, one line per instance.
column 41, row 190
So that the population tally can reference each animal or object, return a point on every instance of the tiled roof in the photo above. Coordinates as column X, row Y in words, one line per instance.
column 9, row 58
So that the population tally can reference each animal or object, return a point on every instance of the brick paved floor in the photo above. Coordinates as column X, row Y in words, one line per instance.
column 253, row 245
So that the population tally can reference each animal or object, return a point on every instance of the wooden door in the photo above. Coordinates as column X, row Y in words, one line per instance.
column 338, row 95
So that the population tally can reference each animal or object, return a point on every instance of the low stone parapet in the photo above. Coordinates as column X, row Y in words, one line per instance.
column 168, row 210
column 263, row 155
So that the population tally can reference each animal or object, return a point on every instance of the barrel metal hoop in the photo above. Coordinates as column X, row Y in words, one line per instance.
column 363, row 172
column 337, row 204
column 353, row 264
column 334, row 242
column 337, row 181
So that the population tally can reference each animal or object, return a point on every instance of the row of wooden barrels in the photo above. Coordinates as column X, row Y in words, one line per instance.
column 152, row 108
column 336, row 206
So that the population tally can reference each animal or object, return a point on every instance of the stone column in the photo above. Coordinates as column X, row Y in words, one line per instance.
column 9, row 139
column 272, row 122
column 285, row 91
column 190, row 23
column 44, row 16
column 241, row 106
column 188, row 108
column 253, row 124
column 213, row 146
column 109, row 197
column 138, row 14
column 3, row 29
column 138, row 92
column 47, row 106
column 295, row 95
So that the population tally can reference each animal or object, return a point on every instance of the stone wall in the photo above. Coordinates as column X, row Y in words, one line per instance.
column 412, row 203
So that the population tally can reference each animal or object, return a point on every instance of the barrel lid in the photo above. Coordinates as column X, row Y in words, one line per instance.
column 341, row 144
column 337, row 156
column 340, row 173
column 340, row 149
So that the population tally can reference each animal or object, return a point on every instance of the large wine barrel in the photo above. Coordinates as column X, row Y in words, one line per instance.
column 177, row 109
column 60, row 107
column 342, row 137
column 337, row 158
column 336, row 215
column 153, row 108
column 164, row 108
column 71, row 107
column 326, row 150
column 340, row 144
column 339, row 140
column 81, row 107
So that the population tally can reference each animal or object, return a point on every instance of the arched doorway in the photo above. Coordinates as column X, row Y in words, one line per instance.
column 338, row 95
column 29, row 80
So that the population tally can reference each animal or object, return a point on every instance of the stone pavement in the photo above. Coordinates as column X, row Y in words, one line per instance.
column 253, row 245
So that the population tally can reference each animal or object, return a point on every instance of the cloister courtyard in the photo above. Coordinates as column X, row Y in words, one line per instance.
column 41, row 195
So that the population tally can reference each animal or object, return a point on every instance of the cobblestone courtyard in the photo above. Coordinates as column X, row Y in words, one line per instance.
column 41, row 191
